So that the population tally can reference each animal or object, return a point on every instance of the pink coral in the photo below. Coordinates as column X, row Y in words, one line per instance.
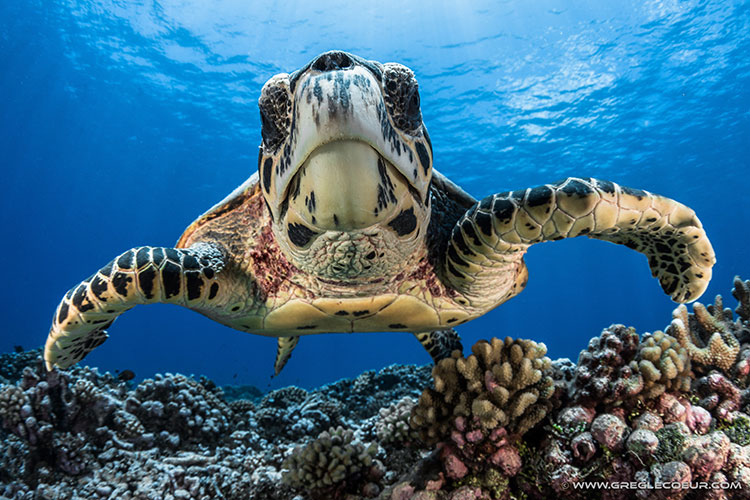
column 609, row 430
column 507, row 459
column 472, row 449
column 454, row 466
column 403, row 491
column 583, row 446
column 573, row 416
column 698, row 419
column 718, row 394
column 707, row 454
column 468, row 493
column 671, row 408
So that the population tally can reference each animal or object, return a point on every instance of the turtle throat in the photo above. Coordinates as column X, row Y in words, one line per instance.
column 344, row 186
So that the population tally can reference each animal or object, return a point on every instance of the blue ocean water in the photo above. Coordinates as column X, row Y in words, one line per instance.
column 122, row 121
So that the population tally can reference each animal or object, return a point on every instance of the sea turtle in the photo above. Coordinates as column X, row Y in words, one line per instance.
column 347, row 227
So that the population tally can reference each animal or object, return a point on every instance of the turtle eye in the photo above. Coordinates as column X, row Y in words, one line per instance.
column 402, row 97
column 275, row 106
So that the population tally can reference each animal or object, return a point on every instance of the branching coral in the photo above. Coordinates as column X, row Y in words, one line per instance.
column 707, row 335
column 52, row 418
column 241, row 406
column 663, row 363
column 12, row 399
column 605, row 373
column 364, row 396
column 333, row 462
column 284, row 397
column 741, row 292
column 502, row 384
column 393, row 425
column 290, row 415
column 180, row 409
column 616, row 367
column 474, row 450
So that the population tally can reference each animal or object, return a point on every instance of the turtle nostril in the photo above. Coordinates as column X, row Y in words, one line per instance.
column 332, row 61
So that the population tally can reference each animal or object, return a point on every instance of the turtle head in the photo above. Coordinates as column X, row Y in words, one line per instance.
column 344, row 156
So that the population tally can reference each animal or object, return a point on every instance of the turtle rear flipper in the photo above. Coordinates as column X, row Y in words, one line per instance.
column 284, row 348
column 484, row 256
column 440, row 344
column 143, row 275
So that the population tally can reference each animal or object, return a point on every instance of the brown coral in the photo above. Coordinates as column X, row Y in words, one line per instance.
column 706, row 334
column 741, row 292
column 605, row 372
column 12, row 399
column 393, row 425
column 329, row 462
column 502, row 384
column 663, row 363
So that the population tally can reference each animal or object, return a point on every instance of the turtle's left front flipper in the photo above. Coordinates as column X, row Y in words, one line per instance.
column 145, row 275
column 484, row 256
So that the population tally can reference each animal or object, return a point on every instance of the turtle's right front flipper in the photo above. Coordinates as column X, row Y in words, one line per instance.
column 143, row 275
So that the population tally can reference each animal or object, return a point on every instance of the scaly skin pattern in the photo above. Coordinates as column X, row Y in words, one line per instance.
column 347, row 227
column 143, row 275
column 484, row 257
column 264, row 293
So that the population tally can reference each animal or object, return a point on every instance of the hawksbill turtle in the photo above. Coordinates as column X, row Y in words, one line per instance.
column 347, row 227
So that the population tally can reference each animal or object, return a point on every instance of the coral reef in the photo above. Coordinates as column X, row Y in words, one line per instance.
column 333, row 463
column 393, row 425
column 605, row 373
column 291, row 414
column 81, row 434
column 179, row 409
column 504, row 422
column 502, row 384
column 707, row 334
column 667, row 407
column 12, row 364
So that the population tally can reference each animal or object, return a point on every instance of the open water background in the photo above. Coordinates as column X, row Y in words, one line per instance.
column 122, row 121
